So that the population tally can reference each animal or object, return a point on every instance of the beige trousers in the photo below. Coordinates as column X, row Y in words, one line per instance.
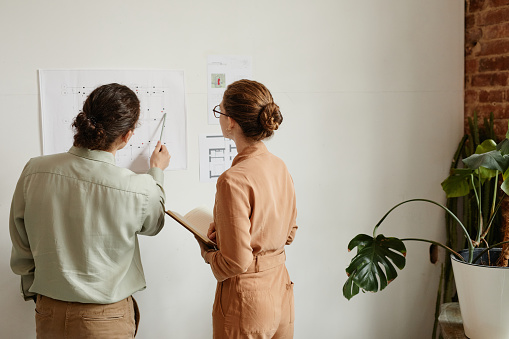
column 55, row 319
column 255, row 305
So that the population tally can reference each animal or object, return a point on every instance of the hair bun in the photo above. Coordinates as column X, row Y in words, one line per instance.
column 270, row 117
column 89, row 128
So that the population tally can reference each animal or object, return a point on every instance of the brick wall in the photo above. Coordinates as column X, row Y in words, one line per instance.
column 487, row 61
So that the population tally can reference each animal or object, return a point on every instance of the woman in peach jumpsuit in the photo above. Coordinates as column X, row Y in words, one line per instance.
column 254, row 218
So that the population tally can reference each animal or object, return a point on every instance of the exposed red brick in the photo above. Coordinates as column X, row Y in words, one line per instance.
column 476, row 5
column 486, row 80
column 500, row 111
column 491, row 96
column 496, row 31
column 494, row 47
column 500, row 128
column 471, row 66
column 494, row 64
column 469, row 21
column 472, row 37
column 494, row 17
column 487, row 62
column 498, row 3
column 471, row 97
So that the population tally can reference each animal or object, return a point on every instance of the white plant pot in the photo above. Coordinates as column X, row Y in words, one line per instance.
column 483, row 293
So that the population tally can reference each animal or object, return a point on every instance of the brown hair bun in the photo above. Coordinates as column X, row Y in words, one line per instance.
column 251, row 105
column 270, row 117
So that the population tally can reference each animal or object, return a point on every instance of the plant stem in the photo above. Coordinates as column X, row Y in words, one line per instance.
column 438, row 244
column 494, row 195
column 492, row 218
column 489, row 248
column 466, row 234
column 478, row 200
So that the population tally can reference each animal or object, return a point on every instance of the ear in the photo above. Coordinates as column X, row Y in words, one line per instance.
column 127, row 136
column 231, row 123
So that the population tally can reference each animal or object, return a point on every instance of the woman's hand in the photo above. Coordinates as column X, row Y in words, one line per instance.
column 204, row 248
column 211, row 233
column 160, row 157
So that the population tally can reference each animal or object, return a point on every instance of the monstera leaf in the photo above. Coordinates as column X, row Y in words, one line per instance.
column 373, row 266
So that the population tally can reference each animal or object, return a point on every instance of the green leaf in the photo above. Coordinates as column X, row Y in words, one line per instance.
column 490, row 160
column 350, row 289
column 373, row 268
column 503, row 146
column 486, row 146
column 458, row 184
column 505, row 185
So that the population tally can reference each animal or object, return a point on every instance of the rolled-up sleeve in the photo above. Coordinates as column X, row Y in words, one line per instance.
column 22, row 260
column 154, row 216
column 232, row 219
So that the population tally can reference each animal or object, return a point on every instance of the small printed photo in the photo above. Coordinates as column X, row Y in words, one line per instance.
column 218, row 80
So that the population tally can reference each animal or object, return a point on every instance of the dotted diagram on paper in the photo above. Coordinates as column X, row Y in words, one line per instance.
column 64, row 92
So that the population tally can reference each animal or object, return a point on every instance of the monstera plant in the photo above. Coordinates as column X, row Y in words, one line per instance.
column 378, row 257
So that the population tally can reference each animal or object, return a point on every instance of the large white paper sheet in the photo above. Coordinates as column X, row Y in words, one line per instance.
column 63, row 93
column 216, row 156
column 223, row 70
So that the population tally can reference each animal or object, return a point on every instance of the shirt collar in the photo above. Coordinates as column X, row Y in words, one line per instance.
column 249, row 152
column 96, row 155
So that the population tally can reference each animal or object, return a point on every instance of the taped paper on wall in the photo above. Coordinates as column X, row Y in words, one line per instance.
column 216, row 156
column 160, row 92
column 223, row 70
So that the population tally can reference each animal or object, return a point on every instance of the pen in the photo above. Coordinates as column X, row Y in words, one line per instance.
column 164, row 124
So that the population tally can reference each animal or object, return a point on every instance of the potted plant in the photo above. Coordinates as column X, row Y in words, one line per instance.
column 374, row 265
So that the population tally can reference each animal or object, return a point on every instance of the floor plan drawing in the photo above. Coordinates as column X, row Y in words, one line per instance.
column 216, row 156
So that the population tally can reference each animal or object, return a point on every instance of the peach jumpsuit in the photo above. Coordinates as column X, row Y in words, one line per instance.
column 255, row 217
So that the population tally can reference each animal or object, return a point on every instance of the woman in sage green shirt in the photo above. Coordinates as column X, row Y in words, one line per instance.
column 74, row 223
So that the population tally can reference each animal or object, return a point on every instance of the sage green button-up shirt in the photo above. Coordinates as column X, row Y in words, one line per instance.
column 74, row 222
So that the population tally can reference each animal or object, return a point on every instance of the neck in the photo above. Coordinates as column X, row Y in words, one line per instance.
column 242, row 143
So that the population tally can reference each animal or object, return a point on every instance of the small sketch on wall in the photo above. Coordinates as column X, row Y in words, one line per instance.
column 218, row 80
column 216, row 156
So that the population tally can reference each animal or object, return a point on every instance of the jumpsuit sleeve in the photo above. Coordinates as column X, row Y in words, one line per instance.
column 22, row 260
column 232, row 218
column 154, row 217
column 293, row 224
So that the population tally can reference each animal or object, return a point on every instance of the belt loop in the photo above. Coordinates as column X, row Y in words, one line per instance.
column 257, row 266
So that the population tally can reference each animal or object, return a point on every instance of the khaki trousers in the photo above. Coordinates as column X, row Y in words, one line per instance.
column 55, row 319
column 257, row 305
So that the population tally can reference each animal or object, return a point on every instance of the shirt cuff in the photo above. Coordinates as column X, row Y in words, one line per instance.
column 157, row 174
column 208, row 255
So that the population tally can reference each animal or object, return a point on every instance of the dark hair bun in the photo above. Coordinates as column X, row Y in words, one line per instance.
column 90, row 130
column 270, row 117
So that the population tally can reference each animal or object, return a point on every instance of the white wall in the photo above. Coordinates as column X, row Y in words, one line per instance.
column 371, row 93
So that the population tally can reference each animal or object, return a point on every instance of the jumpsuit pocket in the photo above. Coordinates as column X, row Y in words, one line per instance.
column 289, row 291
column 257, row 312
